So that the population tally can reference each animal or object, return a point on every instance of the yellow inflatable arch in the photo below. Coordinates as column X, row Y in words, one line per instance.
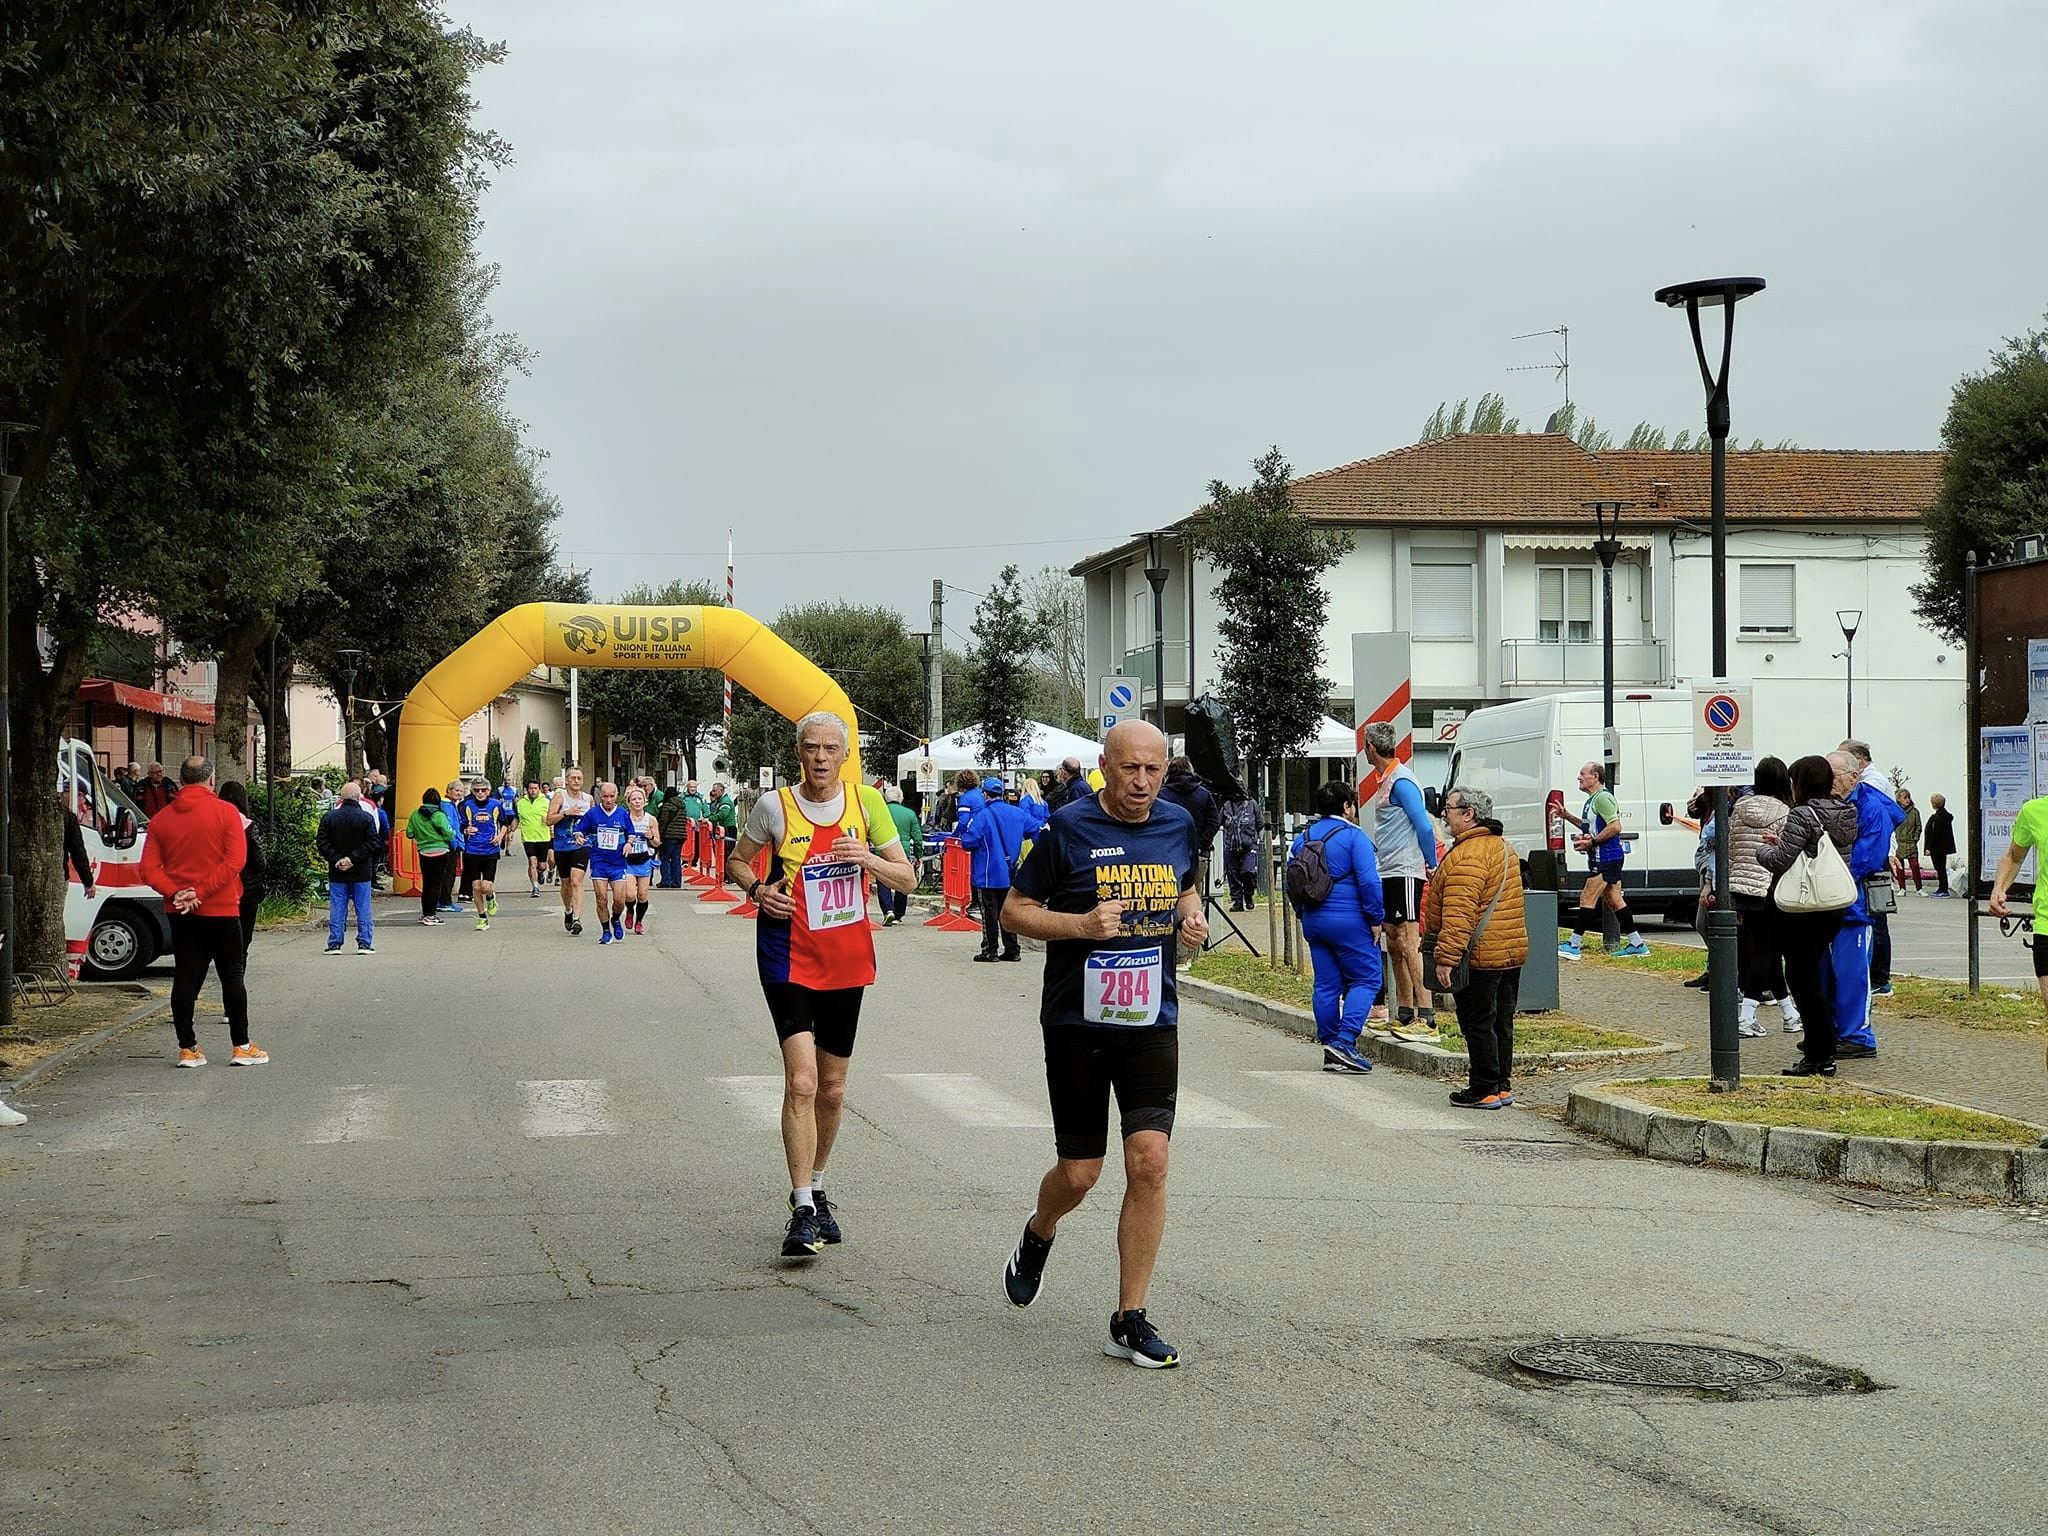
column 596, row 635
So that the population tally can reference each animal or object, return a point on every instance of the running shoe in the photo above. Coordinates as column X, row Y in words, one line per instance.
column 801, row 1240
column 250, row 1055
column 1132, row 1337
column 1467, row 1098
column 1501, row 1100
column 451, row 907
column 1025, row 1271
column 535, row 893
column 828, row 1224
column 1337, row 1059
column 618, row 929
column 333, row 949
column 10, row 1116
column 1635, row 951
column 430, row 922
column 191, row 1059
column 1568, row 951
column 576, row 928
column 491, row 906
column 1883, row 991
column 366, row 949
column 482, row 923
column 604, row 936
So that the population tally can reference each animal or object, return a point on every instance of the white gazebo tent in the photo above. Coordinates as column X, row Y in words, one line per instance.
column 1047, row 747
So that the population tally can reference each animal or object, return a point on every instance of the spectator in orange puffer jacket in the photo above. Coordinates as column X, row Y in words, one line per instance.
column 1480, row 866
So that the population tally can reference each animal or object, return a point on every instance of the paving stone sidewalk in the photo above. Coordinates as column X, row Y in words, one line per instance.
column 1997, row 1072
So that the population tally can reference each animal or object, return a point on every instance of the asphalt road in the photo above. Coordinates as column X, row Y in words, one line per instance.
column 491, row 1247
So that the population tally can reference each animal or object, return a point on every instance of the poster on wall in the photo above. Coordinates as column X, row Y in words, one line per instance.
column 2006, row 757
column 2037, row 679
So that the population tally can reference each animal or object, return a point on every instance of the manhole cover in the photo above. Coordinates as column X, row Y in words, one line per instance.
column 1647, row 1363
column 1532, row 1151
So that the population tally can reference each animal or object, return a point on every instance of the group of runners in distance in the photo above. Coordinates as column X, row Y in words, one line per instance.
column 1109, row 885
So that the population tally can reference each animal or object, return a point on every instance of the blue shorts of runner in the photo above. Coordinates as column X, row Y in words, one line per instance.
column 1611, row 873
column 1084, row 1064
column 644, row 870
column 607, row 869
column 831, row 1016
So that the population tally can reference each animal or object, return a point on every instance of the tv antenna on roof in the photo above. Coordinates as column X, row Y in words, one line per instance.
column 1560, row 367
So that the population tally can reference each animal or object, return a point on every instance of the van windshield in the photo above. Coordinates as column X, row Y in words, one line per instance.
column 88, row 791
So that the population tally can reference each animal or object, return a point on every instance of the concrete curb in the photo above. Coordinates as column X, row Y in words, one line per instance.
column 1406, row 1055
column 85, row 1045
column 1971, row 1169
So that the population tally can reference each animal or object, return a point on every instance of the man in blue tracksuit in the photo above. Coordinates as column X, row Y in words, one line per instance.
column 993, row 833
column 1341, row 930
column 1877, row 818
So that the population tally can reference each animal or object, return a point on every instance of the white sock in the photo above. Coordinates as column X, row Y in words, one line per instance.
column 802, row 1197
column 1636, row 938
column 818, row 1180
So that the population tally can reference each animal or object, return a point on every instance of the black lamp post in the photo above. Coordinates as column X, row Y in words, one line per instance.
column 1607, row 522
column 10, row 485
column 1723, row 293
column 1156, row 574
column 924, row 640
column 1851, row 620
column 348, row 658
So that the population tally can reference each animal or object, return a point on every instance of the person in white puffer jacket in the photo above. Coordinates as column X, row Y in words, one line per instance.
column 1760, row 955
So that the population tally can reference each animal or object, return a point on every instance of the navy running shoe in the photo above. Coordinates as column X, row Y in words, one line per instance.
column 800, row 1240
column 1132, row 1337
column 1026, row 1268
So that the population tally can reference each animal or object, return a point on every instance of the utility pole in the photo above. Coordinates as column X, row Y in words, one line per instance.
column 937, row 678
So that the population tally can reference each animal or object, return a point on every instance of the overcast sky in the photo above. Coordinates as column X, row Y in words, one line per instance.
column 901, row 289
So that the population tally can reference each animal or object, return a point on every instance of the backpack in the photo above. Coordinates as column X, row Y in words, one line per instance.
column 1309, row 881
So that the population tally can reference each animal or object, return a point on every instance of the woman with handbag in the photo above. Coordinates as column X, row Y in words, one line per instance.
column 1808, row 855
column 1759, row 957
column 1478, row 943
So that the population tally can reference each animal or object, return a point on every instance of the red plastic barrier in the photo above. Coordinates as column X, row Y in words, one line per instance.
column 716, row 869
column 748, row 908
column 956, row 891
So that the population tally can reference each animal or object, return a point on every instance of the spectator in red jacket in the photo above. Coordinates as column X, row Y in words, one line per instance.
column 193, row 856
column 154, row 791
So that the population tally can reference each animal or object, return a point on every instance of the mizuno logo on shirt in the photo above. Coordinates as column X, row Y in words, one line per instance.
column 1105, row 853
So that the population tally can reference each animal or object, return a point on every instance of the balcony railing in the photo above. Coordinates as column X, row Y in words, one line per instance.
column 1138, row 664
column 1576, row 663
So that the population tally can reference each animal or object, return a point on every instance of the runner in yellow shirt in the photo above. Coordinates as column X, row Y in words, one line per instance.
column 532, row 809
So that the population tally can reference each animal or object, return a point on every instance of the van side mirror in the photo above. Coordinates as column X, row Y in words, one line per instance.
column 1664, row 814
column 124, row 828
column 1432, row 802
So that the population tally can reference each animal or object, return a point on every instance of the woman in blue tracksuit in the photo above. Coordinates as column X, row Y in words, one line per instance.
column 1342, row 931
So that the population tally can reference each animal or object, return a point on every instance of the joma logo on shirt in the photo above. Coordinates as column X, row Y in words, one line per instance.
column 1105, row 853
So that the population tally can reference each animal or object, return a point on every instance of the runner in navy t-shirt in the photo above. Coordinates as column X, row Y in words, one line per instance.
column 1109, row 885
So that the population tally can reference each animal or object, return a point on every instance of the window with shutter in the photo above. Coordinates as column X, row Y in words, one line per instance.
column 1440, row 602
column 1564, row 602
column 1764, row 596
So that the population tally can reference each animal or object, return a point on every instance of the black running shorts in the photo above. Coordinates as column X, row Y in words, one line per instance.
column 571, row 858
column 2041, row 954
column 1402, row 897
column 480, row 866
column 1083, row 1064
column 832, row 1016
column 537, row 850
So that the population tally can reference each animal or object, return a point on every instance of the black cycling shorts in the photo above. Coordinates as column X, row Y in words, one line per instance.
column 2041, row 954
column 1084, row 1063
column 567, row 859
column 1401, row 895
column 480, row 866
column 538, row 850
column 832, row 1016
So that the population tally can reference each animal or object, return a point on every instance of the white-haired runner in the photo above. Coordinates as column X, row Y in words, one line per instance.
column 825, row 836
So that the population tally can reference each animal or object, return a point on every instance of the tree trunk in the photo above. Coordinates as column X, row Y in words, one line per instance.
column 39, row 702
column 232, row 674
column 278, row 732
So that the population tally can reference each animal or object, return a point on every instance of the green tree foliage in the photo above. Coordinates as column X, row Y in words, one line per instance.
column 654, row 706
column 1270, row 562
column 533, row 759
column 211, row 205
column 1000, row 674
column 1994, row 481
column 869, row 653
column 1490, row 415
column 494, row 762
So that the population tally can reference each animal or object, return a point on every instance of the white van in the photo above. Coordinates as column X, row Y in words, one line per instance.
column 124, row 926
column 1527, row 755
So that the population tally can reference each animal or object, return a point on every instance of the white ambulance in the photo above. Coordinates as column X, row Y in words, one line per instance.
column 123, row 924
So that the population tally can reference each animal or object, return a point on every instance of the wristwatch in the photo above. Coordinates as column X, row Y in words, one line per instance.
column 755, row 887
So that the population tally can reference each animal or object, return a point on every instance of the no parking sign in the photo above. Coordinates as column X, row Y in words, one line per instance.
column 1723, row 732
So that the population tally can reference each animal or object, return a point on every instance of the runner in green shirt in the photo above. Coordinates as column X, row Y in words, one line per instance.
column 1600, row 841
column 532, row 810
column 2030, row 830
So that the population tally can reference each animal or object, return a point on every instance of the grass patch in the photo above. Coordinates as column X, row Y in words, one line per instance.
column 1829, row 1106
column 1993, row 1008
column 1665, row 959
column 39, row 1031
column 281, row 912
column 1535, row 1034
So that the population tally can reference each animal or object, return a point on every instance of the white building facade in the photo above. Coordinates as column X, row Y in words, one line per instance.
column 1481, row 548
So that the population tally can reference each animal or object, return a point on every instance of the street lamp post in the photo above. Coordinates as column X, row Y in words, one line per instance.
column 1607, row 523
column 1723, row 293
column 924, row 641
column 1156, row 575
column 348, row 658
column 1851, row 620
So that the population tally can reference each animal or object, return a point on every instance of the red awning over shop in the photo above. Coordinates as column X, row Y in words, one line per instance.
column 103, row 690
